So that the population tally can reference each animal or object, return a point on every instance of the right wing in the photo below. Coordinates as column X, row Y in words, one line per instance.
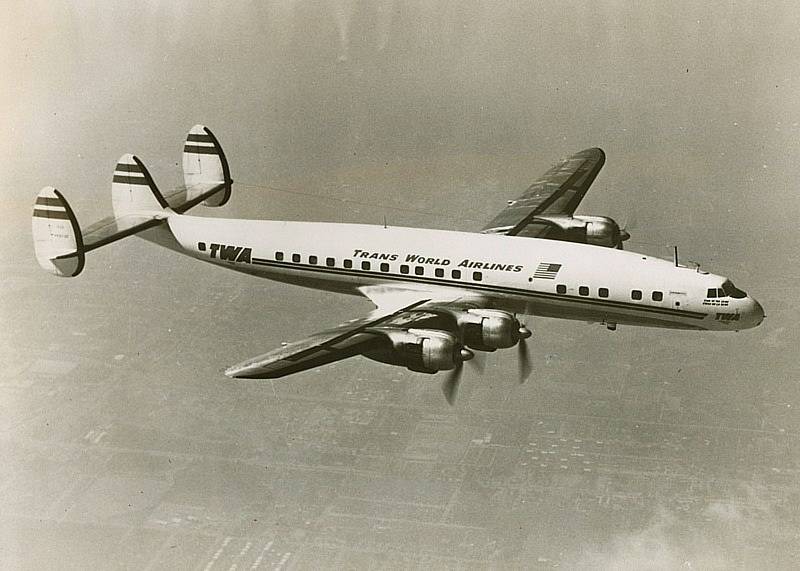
column 558, row 191
column 346, row 340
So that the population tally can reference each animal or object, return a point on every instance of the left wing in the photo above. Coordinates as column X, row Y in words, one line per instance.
column 346, row 340
column 558, row 192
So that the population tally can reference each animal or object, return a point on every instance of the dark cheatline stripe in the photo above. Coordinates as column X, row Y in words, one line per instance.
column 200, row 150
column 57, row 214
column 124, row 167
column 199, row 138
column 609, row 304
column 48, row 201
column 130, row 179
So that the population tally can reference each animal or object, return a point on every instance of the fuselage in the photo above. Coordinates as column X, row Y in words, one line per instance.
column 523, row 275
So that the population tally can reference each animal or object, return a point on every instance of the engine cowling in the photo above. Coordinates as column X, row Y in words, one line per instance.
column 595, row 230
column 421, row 350
column 488, row 329
column 603, row 231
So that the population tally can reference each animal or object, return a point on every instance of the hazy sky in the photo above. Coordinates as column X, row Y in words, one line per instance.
column 452, row 107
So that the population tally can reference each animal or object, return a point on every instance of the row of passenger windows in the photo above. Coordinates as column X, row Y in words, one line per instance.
column 384, row 267
column 636, row 294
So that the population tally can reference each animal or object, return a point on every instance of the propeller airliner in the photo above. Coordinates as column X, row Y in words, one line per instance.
column 440, row 296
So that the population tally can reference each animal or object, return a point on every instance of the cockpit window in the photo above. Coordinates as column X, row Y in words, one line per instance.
column 712, row 292
column 731, row 290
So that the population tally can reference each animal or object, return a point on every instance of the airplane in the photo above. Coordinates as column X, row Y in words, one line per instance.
column 440, row 296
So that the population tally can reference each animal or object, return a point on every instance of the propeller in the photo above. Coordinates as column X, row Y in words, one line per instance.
column 451, row 382
column 453, row 378
column 479, row 364
column 523, row 354
column 624, row 232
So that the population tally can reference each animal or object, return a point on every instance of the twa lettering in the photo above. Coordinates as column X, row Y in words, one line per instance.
column 230, row 253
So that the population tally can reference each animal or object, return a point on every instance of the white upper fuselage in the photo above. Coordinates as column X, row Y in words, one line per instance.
column 524, row 275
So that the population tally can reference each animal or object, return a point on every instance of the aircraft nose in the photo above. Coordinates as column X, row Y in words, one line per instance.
column 756, row 313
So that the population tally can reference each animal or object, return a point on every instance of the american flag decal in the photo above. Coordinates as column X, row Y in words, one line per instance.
column 546, row 271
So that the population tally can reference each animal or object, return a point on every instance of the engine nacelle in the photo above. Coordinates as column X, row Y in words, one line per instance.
column 602, row 231
column 421, row 350
column 596, row 230
column 488, row 329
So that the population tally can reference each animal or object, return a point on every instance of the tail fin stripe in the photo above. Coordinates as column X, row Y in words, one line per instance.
column 57, row 214
column 198, row 138
column 125, row 167
column 200, row 150
column 130, row 180
column 48, row 201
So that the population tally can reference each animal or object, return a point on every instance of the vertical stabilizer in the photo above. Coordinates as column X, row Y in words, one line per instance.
column 205, row 166
column 57, row 238
column 133, row 190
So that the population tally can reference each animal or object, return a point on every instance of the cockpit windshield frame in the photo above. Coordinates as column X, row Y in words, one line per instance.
column 732, row 291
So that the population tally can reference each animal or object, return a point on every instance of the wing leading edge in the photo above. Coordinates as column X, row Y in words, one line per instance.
column 558, row 192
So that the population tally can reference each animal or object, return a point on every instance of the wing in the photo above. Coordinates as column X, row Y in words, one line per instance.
column 346, row 340
column 558, row 191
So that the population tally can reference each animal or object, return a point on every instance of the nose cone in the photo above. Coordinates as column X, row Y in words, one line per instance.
column 755, row 313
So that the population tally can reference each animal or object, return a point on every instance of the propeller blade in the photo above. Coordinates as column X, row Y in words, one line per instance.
column 524, row 361
column 450, row 384
column 479, row 364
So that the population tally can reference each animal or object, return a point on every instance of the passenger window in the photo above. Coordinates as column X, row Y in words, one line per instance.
column 439, row 272
column 312, row 260
column 658, row 296
column 404, row 269
column 636, row 294
column 583, row 290
column 603, row 292
column 456, row 274
column 561, row 288
column 295, row 258
column 365, row 265
column 712, row 292
column 348, row 264
column 419, row 270
column 477, row 276
column 279, row 256
column 384, row 267
column 330, row 262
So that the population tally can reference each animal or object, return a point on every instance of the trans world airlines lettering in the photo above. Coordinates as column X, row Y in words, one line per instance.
column 420, row 259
